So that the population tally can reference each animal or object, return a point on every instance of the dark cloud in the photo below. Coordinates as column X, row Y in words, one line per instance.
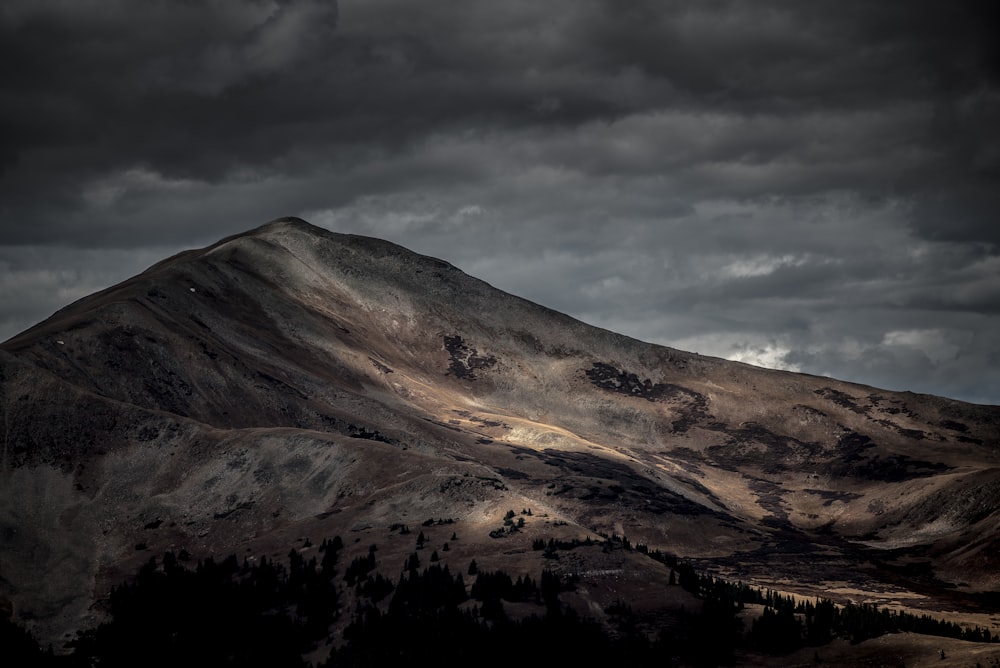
column 806, row 185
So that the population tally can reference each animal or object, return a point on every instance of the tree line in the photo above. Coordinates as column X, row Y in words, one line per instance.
column 267, row 612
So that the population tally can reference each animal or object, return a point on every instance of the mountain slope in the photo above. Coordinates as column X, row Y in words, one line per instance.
column 293, row 382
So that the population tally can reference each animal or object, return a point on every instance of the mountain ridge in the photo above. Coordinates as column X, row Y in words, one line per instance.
column 291, row 380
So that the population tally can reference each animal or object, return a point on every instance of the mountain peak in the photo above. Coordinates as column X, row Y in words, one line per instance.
column 276, row 228
column 292, row 381
column 290, row 222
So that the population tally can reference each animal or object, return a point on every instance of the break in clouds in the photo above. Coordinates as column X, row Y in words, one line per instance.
column 807, row 186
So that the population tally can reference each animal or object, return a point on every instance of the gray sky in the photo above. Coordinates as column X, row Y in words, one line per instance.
column 812, row 186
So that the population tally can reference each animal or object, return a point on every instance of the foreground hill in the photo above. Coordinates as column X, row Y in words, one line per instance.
column 291, row 382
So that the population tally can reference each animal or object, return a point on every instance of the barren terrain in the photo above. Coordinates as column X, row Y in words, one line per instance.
column 293, row 383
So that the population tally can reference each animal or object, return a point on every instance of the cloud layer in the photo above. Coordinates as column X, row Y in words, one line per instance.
column 811, row 186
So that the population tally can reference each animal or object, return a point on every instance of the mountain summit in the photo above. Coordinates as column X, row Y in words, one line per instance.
column 292, row 382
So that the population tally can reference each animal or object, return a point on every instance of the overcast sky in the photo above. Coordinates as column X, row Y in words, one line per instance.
column 811, row 186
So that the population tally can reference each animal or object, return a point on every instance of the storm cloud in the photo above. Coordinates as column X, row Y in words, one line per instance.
column 810, row 186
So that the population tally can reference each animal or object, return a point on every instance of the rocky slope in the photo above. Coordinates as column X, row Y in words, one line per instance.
column 293, row 382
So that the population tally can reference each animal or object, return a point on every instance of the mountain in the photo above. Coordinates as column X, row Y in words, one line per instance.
column 291, row 383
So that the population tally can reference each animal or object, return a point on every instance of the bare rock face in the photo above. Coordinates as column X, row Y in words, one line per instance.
column 294, row 382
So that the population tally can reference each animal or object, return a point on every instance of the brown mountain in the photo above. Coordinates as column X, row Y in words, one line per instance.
column 291, row 382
